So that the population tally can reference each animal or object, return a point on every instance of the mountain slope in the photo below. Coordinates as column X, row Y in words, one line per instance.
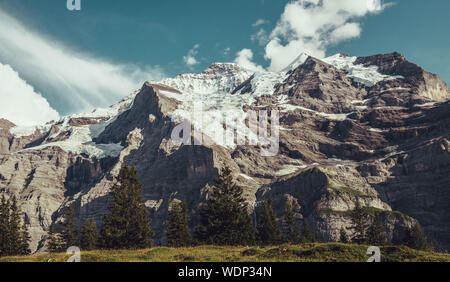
column 370, row 128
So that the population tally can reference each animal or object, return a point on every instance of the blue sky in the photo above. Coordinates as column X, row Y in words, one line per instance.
column 153, row 39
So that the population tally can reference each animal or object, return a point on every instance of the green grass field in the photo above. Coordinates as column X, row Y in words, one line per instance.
column 329, row 252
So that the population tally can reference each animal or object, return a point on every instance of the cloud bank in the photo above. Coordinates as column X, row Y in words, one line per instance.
column 71, row 81
column 20, row 103
column 311, row 26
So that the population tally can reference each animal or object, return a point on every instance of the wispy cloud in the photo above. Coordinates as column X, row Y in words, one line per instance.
column 311, row 26
column 190, row 59
column 260, row 22
column 72, row 81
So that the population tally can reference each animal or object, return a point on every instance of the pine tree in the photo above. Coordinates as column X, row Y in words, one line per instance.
column 291, row 228
column 89, row 236
column 14, row 228
column 24, row 240
column 4, row 226
column 306, row 235
column 343, row 237
column 225, row 219
column 376, row 234
column 69, row 234
column 268, row 229
column 416, row 238
column 177, row 225
column 55, row 242
column 359, row 224
column 127, row 226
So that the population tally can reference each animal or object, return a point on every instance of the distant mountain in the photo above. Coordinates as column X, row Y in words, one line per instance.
column 369, row 128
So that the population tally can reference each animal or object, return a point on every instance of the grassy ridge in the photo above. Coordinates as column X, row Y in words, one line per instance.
column 320, row 252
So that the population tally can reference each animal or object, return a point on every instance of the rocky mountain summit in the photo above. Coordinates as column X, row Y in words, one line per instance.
column 369, row 128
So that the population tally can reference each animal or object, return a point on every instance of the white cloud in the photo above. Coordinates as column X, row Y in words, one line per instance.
column 311, row 26
column 261, row 37
column 70, row 80
column 190, row 59
column 19, row 103
column 226, row 51
column 244, row 59
column 260, row 22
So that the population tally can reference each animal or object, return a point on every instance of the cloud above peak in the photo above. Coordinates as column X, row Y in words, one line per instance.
column 71, row 81
column 311, row 26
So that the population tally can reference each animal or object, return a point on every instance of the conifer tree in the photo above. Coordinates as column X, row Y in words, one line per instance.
column 14, row 228
column 225, row 219
column 127, row 225
column 69, row 235
column 4, row 226
column 177, row 225
column 359, row 223
column 24, row 240
column 416, row 238
column 268, row 228
column 55, row 242
column 291, row 228
column 306, row 235
column 376, row 234
column 343, row 237
column 89, row 236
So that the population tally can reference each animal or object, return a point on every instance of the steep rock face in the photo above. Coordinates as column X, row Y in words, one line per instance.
column 5, row 136
column 351, row 128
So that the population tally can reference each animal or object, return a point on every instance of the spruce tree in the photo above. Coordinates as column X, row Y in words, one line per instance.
column 343, row 237
column 268, row 228
column 89, row 236
column 55, row 242
column 359, row 224
column 69, row 234
column 290, row 226
column 24, row 240
column 376, row 234
column 14, row 228
column 416, row 238
column 306, row 235
column 127, row 225
column 225, row 219
column 4, row 226
column 177, row 225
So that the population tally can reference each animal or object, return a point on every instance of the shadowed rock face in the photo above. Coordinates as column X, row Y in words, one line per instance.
column 386, row 145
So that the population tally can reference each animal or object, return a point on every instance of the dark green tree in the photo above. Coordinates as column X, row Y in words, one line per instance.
column 4, row 226
column 24, row 240
column 268, row 229
column 343, row 237
column 15, row 226
column 89, row 235
column 376, row 234
column 177, row 225
column 306, row 235
column 127, row 225
column 359, row 223
column 55, row 241
column 290, row 226
column 69, row 233
column 225, row 219
column 14, row 238
column 416, row 238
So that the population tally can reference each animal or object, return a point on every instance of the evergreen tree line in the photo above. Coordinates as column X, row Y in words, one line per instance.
column 224, row 220
column 126, row 226
column 14, row 236
column 368, row 228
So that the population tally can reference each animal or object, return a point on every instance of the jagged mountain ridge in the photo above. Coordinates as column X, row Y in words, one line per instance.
column 369, row 127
